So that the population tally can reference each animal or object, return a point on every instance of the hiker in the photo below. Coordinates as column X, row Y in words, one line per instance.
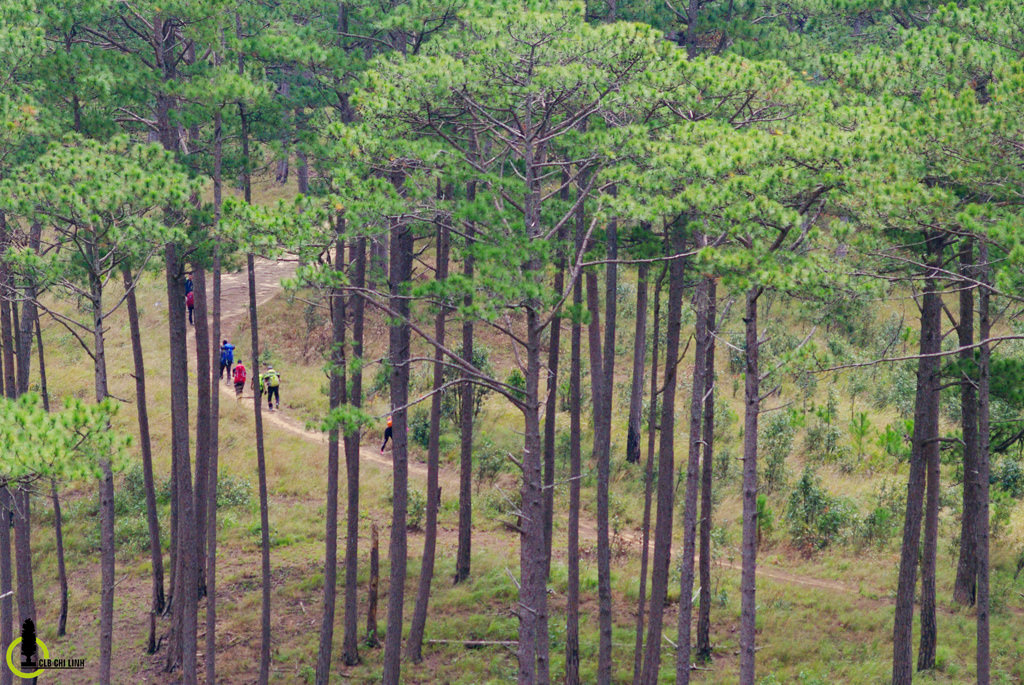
column 188, row 284
column 387, row 436
column 190, row 302
column 239, row 377
column 270, row 383
column 227, row 358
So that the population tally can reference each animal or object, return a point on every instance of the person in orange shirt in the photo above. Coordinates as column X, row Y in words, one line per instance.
column 387, row 436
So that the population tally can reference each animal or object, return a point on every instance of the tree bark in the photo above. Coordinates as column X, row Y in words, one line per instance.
column 704, row 611
column 401, row 273
column 462, row 555
column 602, row 366
column 350, row 648
column 337, row 385
column 645, row 533
column 6, row 579
column 924, row 430
column 666, row 456
column 967, row 563
column 414, row 647
column 211, row 489
column 23, row 554
column 204, row 376
column 371, row 599
column 748, row 583
column 145, row 446
column 636, row 392
column 984, row 380
column 62, row 574
column 182, row 648
column 550, row 410
column 29, row 313
column 692, row 476
column 572, row 611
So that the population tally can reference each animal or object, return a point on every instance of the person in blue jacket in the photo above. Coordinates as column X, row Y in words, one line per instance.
column 227, row 358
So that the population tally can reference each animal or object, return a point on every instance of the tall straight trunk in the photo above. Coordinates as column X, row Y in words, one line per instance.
column 414, row 648
column 645, row 533
column 371, row 594
column 572, row 611
column 666, row 469
column 704, row 611
column 106, row 487
column 692, row 477
column 967, row 563
column 602, row 364
column 145, row 446
column 636, row 390
column 211, row 487
column 182, row 650
column 748, row 582
column 261, row 466
column 335, row 400
column 6, row 580
column 984, row 380
column 462, row 554
column 42, row 363
column 29, row 313
column 23, row 553
column 532, row 652
column 204, row 391
column 350, row 643
column 399, row 353
column 6, row 327
column 550, row 410
column 62, row 573
column 924, row 431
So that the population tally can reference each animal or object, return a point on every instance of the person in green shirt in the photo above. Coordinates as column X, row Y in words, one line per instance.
column 270, row 383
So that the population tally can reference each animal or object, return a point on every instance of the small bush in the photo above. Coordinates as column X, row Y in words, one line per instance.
column 816, row 518
column 1009, row 476
column 776, row 442
column 419, row 427
column 417, row 509
column 765, row 520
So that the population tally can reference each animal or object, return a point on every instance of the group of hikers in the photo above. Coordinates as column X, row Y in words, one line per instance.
column 269, row 382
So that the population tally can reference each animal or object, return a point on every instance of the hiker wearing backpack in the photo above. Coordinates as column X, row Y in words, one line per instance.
column 190, row 303
column 270, row 382
column 227, row 358
column 239, row 378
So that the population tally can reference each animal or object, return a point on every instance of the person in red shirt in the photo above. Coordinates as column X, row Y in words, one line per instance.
column 239, row 378
column 190, row 303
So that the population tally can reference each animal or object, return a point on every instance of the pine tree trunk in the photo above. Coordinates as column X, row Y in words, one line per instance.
column 602, row 361
column 419, row 616
column 462, row 555
column 666, row 469
column 106, row 487
column 29, row 313
column 42, row 364
column 572, row 611
column 401, row 273
column 371, row 600
column 23, row 554
column 748, row 583
column 984, row 380
column 203, row 419
column 967, row 563
column 350, row 647
column 924, row 430
column 645, row 530
column 62, row 575
column 636, row 392
column 211, row 488
column 182, row 648
column 550, row 410
column 145, row 446
column 685, row 621
column 337, row 385
column 704, row 612
column 6, row 579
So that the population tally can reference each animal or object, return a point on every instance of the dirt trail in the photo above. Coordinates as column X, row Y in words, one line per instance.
column 269, row 274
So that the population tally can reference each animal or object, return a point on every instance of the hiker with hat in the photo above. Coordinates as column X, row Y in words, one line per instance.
column 270, row 382
column 387, row 436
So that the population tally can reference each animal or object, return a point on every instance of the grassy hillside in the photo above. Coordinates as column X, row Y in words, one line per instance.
column 825, row 597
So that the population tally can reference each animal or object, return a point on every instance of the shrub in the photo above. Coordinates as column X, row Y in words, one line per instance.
column 776, row 442
column 765, row 519
column 416, row 511
column 1009, row 476
column 419, row 427
column 816, row 518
